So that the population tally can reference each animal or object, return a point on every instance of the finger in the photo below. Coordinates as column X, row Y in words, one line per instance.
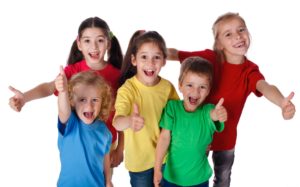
column 290, row 97
column 287, row 99
column 135, row 109
column 62, row 72
column 220, row 103
column 13, row 90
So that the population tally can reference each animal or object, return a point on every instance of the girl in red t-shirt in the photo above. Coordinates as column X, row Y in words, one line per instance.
column 87, row 53
column 235, row 77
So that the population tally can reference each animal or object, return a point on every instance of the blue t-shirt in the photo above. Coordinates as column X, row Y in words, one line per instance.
column 82, row 149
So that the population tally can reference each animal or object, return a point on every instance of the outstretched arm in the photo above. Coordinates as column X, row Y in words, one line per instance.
column 135, row 121
column 161, row 150
column 273, row 94
column 64, row 107
column 172, row 54
column 17, row 101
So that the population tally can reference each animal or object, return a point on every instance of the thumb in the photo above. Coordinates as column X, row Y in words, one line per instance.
column 61, row 70
column 220, row 103
column 15, row 91
column 136, row 109
column 288, row 98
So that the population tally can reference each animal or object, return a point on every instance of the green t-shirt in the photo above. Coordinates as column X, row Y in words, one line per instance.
column 191, row 133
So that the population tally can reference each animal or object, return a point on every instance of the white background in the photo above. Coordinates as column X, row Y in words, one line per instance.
column 36, row 37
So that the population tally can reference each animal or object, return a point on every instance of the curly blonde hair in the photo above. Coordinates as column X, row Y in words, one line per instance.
column 91, row 78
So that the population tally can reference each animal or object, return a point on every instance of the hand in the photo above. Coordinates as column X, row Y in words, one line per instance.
column 137, row 121
column 17, row 101
column 157, row 178
column 61, row 83
column 287, row 107
column 116, row 157
column 219, row 113
column 109, row 184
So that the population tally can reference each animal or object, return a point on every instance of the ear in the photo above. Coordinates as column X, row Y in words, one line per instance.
column 180, row 87
column 78, row 43
column 133, row 60
column 164, row 63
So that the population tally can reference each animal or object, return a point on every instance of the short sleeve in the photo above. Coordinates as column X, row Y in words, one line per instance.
column 167, row 118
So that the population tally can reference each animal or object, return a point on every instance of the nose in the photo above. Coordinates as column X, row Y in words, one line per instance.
column 95, row 45
column 89, row 104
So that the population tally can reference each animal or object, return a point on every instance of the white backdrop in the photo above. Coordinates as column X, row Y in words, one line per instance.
column 36, row 38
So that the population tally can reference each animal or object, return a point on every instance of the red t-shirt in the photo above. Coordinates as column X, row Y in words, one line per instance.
column 109, row 73
column 234, row 83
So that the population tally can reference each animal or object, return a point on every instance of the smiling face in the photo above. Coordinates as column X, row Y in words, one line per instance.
column 93, row 44
column 148, row 60
column 194, row 87
column 86, row 100
column 233, row 38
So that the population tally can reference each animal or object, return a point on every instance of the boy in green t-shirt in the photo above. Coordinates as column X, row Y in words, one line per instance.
column 188, row 126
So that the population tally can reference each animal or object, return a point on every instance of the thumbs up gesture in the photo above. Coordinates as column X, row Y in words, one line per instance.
column 137, row 121
column 61, row 83
column 219, row 113
column 287, row 107
column 17, row 101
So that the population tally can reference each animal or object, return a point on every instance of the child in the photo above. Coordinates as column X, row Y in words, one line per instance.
column 139, row 104
column 187, row 129
column 87, row 53
column 235, row 78
column 84, row 140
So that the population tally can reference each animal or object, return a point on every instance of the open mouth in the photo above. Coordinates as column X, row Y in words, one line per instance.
column 94, row 55
column 239, row 45
column 88, row 115
column 193, row 101
column 149, row 72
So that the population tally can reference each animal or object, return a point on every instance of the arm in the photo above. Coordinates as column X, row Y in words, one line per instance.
column 17, row 101
column 273, row 94
column 107, row 171
column 135, row 121
column 161, row 150
column 116, row 155
column 172, row 54
column 64, row 107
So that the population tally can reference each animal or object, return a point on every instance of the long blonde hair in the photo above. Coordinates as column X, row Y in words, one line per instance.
column 215, row 29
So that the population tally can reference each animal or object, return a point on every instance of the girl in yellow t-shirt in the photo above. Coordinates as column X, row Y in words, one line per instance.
column 140, row 102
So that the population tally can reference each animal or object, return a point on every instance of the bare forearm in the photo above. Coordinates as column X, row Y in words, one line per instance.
column 40, row 91
column 121, row 123
column 107, row 169
column 270, row 92
column 64, row 108
column 162, row 148
column 172, row 54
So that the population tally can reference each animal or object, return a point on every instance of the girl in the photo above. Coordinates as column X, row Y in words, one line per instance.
column 187, row 129
column 235, row 78
column 87, row 53
column 139, row 104
column 84, row 140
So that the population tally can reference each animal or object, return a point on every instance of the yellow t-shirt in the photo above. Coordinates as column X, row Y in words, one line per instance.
column 140, row 146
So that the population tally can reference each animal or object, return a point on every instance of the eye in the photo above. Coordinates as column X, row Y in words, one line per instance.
column 96, row 100
column 101, row 40
column 82, row 100
column 157, row 57
column 144, row 57
column 242, row 29
column 86, row 41
column 228, row 34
